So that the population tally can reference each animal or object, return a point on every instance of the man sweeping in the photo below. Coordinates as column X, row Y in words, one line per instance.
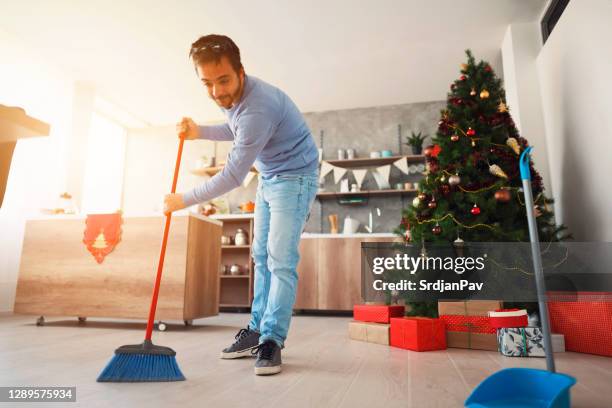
column 270, row 133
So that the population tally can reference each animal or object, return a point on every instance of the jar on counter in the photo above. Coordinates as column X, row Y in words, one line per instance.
column 241, row 237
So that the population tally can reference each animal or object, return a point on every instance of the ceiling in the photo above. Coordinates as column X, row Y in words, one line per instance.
column 325, row 54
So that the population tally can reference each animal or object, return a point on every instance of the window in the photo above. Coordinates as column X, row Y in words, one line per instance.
column 552, row 15
column 103, row 180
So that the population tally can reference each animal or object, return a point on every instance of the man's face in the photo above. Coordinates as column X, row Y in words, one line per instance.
column 223, row 83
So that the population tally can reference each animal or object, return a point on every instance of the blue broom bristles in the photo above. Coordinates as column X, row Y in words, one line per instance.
column 141, row 368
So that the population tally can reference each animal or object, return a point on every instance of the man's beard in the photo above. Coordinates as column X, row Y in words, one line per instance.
column 227, row 101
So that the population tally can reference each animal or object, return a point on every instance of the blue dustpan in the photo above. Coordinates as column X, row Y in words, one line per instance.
column 522, row 387
column 527, row 387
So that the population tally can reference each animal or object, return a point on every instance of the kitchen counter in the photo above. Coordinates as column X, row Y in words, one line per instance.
column 354, row 235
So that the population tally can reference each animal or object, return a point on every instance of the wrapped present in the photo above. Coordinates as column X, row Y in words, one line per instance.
column 468, row 324
column 377, row 313
column 521, row 341
column 468, row 307
column 508, row 318
column 418, row 333
column 474, row 324
column 558, row 342
column 470, row 340
column 370, row 332
column 584, row 319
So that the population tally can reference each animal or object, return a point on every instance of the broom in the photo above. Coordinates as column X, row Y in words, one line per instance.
column 147, row 362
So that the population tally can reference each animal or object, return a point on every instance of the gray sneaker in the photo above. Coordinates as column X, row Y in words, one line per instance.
column 268, row 358
column 246, row 339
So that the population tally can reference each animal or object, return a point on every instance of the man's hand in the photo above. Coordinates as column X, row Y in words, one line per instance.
column 173, row 202
column 187, row 129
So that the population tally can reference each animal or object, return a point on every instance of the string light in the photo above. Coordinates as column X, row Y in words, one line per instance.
column 456, row 222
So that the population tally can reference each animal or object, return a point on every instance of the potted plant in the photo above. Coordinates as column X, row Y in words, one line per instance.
column 415, row 140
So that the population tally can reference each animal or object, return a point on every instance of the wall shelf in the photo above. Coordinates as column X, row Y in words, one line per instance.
column 236, row 290
column 333, row 194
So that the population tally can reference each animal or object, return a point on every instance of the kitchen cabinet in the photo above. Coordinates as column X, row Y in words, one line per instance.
column 236, row 291
column 330, row 270
column 59, row 277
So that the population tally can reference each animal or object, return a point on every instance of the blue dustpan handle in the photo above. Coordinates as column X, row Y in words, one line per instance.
column 524, row 164
column 537, row 260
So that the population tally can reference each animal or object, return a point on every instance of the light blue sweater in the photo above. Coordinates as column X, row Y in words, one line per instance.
column 268, row 131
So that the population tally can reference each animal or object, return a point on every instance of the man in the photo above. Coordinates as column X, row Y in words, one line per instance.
column 268, row 131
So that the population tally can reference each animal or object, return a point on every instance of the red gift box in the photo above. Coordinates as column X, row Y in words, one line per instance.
column 585, row 319
column 472, row 324
column 508, row 318
column 418, row 333
column 377, row 313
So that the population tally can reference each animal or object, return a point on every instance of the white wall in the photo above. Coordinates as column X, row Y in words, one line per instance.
column 37, row 171
column 520, row 48
column 150, row 159
column 575, row 73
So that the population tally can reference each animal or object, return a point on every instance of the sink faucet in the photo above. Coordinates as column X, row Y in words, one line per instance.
column 370, row 226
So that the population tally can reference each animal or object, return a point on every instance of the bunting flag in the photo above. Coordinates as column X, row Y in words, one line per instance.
column 381, row 175
column 402, row 164
column 339, row 172
column 102, row 234
column 249, row 177
column 325, row 169
column 359, row 175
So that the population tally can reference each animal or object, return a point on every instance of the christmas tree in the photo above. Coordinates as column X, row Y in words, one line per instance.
column 472, row 189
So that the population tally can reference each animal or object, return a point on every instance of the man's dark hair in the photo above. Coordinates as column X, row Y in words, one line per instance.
column 210, row 48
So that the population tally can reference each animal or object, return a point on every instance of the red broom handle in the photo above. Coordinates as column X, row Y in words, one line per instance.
column 162, row 253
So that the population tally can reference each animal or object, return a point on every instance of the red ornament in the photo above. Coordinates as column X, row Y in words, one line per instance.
column 462, row 77
column 445, row 189
column 437, row 230
column 454, row 138
column 432, row 203
column 503, row 195
column 427, row 151
column 436, row 150
column 475, row 210
column 470, row 132
column 487, row 68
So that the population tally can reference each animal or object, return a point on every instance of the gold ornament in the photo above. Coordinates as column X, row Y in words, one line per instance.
column 416, row 202
column 502, row 107
column 464, row 67
column 513, row 143
column 473, row 92
column 497, row 171
column 484, row 94
column 454, row 180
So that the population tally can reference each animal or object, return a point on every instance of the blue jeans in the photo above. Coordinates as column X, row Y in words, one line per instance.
column 282, row 205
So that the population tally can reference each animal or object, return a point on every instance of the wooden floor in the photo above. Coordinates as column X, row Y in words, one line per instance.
column 322, row 367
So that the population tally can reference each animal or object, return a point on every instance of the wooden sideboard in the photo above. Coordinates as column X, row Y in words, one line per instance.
column 330, row 272
column 58, row 276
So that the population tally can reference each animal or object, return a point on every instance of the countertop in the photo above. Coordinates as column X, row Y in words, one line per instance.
column 355, row 235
